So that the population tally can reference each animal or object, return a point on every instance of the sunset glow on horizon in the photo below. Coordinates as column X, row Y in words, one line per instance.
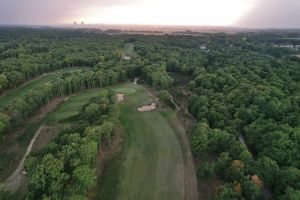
column 191, row 12
column 242, row 13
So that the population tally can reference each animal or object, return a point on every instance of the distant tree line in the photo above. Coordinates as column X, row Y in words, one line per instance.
column 28, row 53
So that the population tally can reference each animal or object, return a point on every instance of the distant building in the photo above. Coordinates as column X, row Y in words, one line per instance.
column 289, row 46
column 125, row 57
column 82, row 23
column 75, row 23
column 202, row 47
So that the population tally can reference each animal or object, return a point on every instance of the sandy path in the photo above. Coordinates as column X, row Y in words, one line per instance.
column 14, row 181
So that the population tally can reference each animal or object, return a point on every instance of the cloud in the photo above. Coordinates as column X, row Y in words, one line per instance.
column 273, row 14
column 257, row 13
column 48, row 12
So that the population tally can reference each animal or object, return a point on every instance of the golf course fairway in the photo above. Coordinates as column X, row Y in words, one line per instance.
column 157, row 163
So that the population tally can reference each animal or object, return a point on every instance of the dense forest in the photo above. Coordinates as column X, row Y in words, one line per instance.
column 242, row 89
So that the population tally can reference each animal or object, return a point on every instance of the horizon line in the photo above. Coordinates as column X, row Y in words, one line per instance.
column 61, row 25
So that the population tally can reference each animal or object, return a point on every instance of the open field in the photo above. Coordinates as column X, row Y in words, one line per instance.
column 13, row 94
column 152, row 165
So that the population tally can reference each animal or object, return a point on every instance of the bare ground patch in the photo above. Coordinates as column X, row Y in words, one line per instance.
column 120, row 97
column 106, row 153
column 41, row 113
column 17, row 178
column 15, row 150
column 206, row 189
column 48, row 133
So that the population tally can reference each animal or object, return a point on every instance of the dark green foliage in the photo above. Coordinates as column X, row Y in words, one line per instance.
column 65, row 168
column 241, row 85
column 206, row 171
column 251, row 90
column 291, row 194
column 166, row 98
column 4, row 125
column 228, row 192
column 5, row 195
column 268, row 170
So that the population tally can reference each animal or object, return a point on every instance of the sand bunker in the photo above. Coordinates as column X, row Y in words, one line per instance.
column 147, row 108
column 120, row 97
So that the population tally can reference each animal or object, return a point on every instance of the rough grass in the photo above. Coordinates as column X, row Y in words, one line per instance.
column 152, row 165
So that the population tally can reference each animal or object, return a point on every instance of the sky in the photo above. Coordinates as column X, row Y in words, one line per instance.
column 235, row 13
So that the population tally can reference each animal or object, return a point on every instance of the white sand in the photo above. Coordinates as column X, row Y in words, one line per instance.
column 120, row 97
column 147, row 108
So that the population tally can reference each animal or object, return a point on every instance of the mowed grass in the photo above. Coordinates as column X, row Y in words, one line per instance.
column 152, row 163
column 11, row 95
column 74, row 104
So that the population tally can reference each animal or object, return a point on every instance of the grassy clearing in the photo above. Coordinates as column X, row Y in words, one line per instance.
column 129, row 49
column 72, row 106
column 13, row 94
column 152, row 164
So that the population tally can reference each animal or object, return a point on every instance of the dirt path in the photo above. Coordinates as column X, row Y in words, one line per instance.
column 135, row 81
column 15, row 180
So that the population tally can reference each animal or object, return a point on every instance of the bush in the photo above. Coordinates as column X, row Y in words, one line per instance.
column 166, row 98
column 206, row 171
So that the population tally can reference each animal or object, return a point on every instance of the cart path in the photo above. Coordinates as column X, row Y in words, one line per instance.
column 14, row 181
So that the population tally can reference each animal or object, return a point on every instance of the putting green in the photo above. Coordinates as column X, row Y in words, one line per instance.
column 125, row 90
column 72, row 106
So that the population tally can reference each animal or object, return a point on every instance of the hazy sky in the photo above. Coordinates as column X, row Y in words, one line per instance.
column 243, row 13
